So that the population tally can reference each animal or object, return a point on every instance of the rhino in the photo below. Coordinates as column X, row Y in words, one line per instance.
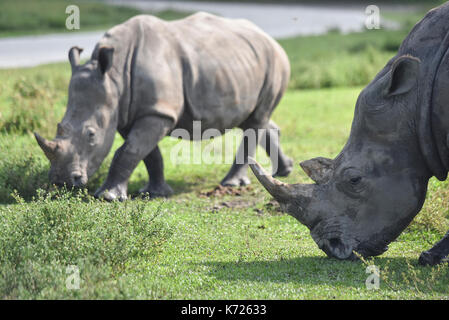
column 370, row 192
column 148, row 77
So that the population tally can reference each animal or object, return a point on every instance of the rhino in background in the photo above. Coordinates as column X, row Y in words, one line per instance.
column 147, row 77
column 364, row 198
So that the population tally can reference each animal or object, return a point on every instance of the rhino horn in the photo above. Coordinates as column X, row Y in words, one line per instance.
column 293, row 198
column 49, row 147
column 74, row 57
column 282, row 192
column 318, row 169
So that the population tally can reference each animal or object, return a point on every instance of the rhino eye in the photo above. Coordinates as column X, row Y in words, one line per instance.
column 355, row 180
column 352, row 182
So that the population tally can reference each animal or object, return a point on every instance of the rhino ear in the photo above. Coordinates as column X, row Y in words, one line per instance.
column 404, row 75
column 105, row 59
column 318, row 169
column 74, row 57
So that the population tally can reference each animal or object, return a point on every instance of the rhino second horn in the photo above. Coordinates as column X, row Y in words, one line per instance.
column 74, row 56
column 49, row 147
column 282, row 192
column 318, row 169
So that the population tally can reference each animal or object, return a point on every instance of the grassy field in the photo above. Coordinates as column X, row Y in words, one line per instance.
column 202, row 243
column 197, row 244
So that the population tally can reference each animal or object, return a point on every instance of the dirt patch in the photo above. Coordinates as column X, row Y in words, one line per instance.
column 234, row 204
column 273, row 207
column 220, row 191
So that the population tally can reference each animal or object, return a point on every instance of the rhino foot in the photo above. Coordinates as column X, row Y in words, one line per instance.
column 235, row 181
column 111, row 194
column 284, row 168
column 429, row 259
column 154, row 191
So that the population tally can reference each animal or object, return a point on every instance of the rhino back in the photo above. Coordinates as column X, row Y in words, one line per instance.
column 229, row 66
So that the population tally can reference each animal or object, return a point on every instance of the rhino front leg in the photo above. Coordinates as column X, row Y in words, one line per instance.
column 141, row 140
column 435, row 255
column 156, row 187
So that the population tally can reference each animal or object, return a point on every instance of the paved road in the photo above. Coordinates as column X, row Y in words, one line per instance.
column 32, row 51
column 279, row 20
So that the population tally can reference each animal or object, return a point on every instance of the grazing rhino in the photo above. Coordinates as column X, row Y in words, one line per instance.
column 364, row 198
column 147, row 77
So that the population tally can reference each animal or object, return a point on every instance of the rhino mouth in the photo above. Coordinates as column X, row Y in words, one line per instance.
column 337, row 248
column 332, row 237
column 75, row 179
column 337, row 245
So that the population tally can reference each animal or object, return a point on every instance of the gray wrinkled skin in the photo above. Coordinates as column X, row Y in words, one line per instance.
column 365, row 197
column 147, row 77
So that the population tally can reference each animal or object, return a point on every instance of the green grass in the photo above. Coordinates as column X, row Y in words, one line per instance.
column 191, row 245
column 31, row 17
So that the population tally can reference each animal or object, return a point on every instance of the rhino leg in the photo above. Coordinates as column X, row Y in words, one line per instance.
column 238, row 174
column 141, row 140
column 268, row 137
column 156, row 187
column 435, row 255
column 281, row 164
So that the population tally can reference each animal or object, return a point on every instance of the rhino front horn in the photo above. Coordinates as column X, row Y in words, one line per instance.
column 293, row 198
column 49, row 147
column 279, row 190
column 74, row 56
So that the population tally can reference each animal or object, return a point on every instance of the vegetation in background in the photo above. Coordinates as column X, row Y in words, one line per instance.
column 419, row 3
column 20, row 17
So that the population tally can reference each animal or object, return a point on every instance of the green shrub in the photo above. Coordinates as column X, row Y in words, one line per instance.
column 38, row 240
column 25, row 175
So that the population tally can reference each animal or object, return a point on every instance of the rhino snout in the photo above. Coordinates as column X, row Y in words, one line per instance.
column 337, row 248
column 77, row 179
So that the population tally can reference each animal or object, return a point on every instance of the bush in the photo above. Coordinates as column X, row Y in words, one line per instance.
column 40, row 239
column 25, row 175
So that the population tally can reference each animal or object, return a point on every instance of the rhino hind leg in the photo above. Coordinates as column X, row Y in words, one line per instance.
column 282, row 165
column 268, row 138
column 157, row 186
column 238, row 174
column 437, row 254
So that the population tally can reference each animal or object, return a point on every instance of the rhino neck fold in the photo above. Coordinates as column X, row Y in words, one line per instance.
column 429, row 142
column 440, row 111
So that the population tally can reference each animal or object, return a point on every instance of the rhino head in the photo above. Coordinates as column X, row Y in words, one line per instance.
column 365, row 197
column 86, row 133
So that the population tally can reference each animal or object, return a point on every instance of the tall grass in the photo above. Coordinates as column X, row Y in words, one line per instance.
column 336, row 60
